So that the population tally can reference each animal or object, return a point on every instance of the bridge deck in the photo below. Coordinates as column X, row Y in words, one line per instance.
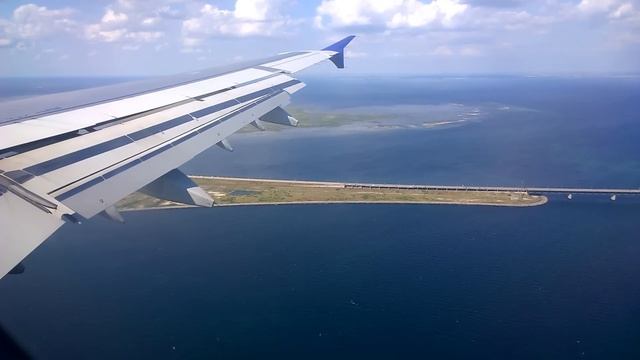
column 533, row 190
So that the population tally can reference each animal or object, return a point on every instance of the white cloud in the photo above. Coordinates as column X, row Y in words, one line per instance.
column 5, row 42
column 448, row 31
column 5, row 38
column 31, row 22
column 418, row 14
column 432, row 15
column 150, row 21
column 112, row 17
column 623, row 10
column 253, row 10
column 593, row 6
column 134, row 22
column 191, row 43
column 612, row 9
column 456, row 15
column 248, row 18
column 96, row 32
column 392, row 14
column 145, row 36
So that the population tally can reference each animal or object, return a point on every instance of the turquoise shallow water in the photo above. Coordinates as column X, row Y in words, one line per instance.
column 375, row 281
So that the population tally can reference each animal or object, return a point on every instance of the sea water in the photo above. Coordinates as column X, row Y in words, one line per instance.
column 371, row 281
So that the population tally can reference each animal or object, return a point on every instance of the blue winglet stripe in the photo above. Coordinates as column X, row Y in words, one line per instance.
column 340, row 45
column 338, row 59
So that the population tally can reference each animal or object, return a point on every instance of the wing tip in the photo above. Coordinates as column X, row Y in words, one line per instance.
column 338, row 47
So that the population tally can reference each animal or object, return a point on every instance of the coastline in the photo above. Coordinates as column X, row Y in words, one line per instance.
column 228, row 192
column 541, row 202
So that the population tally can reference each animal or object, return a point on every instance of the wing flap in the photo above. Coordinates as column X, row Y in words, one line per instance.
column 39, row 128
column 96, row 194
column 24, row 227
column 68, row 161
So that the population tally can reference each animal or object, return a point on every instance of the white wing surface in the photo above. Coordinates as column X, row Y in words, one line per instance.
column 70, row 156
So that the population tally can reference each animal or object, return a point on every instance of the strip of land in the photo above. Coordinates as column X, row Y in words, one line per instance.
column 241, row 191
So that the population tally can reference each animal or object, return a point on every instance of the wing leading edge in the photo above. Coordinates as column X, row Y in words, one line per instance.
column 70, row 156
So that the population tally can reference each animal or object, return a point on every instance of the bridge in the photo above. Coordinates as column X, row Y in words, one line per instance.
column 612, row 192
column 529, row 190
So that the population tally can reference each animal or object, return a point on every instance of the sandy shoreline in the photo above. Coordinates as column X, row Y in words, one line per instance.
column 543, row 200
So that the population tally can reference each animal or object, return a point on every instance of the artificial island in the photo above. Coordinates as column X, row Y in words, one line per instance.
column 228, row 191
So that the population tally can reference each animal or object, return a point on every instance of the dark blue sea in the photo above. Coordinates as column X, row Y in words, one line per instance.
column 559, row 281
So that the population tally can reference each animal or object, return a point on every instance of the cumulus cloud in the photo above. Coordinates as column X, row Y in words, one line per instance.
column 612, row 9
column 624, row 10
column 454, row 15
column 5, row 40
column 435, row 29
column 133, row 22
column 112, row 17
column 593, row 6
column 248, row 18
column 32, row 22
column 497, row 3
column 392, row 14
column 427, row 15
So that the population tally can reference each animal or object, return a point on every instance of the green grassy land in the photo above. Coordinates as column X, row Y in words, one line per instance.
column 242, row 191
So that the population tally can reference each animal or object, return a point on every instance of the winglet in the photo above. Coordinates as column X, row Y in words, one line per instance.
column 338, row 59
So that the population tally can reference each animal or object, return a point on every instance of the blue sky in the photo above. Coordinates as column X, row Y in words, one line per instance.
column 143, row 37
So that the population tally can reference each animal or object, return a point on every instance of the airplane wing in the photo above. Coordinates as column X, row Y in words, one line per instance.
column 70, row 156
